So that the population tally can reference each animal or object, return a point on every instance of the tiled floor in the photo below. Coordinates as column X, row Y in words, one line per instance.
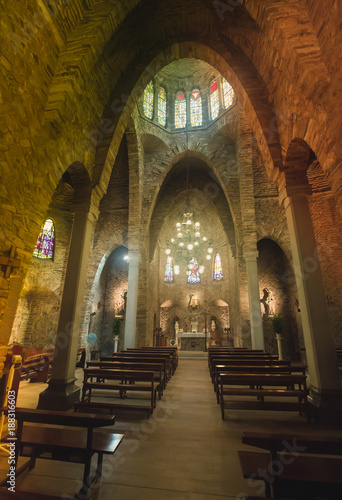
column 184, row 451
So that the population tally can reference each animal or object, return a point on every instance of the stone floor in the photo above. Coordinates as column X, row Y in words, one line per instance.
column 184, row 451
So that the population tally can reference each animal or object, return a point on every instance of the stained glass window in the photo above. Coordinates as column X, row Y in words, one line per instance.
column 162, row 107
column 214, row 100
column 148, row 101
column 228, row 93
column 180, row 110
column 169, row 270
column 45, row 245
column 193, row 272
column 196, row 108
column 218, row 273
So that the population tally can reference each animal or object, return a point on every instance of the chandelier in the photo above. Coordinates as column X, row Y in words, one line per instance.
column 188, row 242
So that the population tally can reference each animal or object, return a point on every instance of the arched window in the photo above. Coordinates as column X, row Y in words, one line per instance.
column 162, row 107
column 196, row 108
column 228, row 94
column 180, row 110
column 193, row 272
column 218, row 273
column 169, row 270
column 45, row 245
column 148, row 101
column 214, row 100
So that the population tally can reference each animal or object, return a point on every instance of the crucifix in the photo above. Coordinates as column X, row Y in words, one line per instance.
column 205, row 314
column 9, row 262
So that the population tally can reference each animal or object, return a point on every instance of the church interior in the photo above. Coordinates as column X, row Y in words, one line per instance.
column 171, row 194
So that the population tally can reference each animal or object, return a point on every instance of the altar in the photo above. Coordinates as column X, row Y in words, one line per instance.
column 191, row 341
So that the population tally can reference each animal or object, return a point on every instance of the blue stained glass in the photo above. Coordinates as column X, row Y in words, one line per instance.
column 45, row 245
column 218, row 273
column 169, row 270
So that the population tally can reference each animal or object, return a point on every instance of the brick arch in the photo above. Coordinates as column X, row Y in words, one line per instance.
column 298, row 158
column 238, row 70
column 220, row 203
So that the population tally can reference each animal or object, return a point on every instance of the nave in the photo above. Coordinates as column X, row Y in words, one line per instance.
column 183, row 451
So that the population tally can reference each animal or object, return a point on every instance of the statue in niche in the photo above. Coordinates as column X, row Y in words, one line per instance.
column 193, row 302
column 121, row 306
column 268, row 302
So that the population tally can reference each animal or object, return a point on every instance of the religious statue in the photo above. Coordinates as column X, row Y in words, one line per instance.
column 193, row 302
column 268, row 302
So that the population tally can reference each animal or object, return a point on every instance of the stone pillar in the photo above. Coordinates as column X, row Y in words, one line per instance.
column 257, row 332
column 326, row 391
column 132, row 299
column 62, row 392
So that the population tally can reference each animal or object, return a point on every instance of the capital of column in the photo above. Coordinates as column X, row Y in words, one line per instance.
column 133, row 258
column 250, row 255
column 286, row 193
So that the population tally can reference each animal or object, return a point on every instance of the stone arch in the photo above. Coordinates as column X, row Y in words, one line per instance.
column 241, row 76
column 107, row 297
column 225, row 216
column 72, row 191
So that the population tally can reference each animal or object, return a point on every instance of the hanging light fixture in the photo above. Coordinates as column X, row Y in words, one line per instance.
column 189, row 241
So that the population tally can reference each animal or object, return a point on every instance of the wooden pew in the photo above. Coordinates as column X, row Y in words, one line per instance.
column 157, row 368
column 69, row 444
column 260, row 386
column 143, row 358
column 121, row 382
column 275, row 367
column 173, row 350
column 167, row 355
column 37, row 363
column 306, row 465
column 238, row 359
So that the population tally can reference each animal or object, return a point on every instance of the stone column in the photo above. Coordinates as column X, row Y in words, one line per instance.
column 62, row 392
column 132, row 299
column 254, row 299
column 326, row 391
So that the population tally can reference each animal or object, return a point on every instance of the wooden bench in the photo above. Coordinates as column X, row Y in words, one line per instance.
column 165, row 355
column 143, row 358
column 69, row 444
column 239, row 360
column 251, row 390
column 285, row 368
column 121, row 382
column 157, row 368
column 160, row 350
column 37, row 363
column 163, row 350
column 298, row 465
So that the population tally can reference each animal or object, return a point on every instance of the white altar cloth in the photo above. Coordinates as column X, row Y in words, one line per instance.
column 190, row 334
